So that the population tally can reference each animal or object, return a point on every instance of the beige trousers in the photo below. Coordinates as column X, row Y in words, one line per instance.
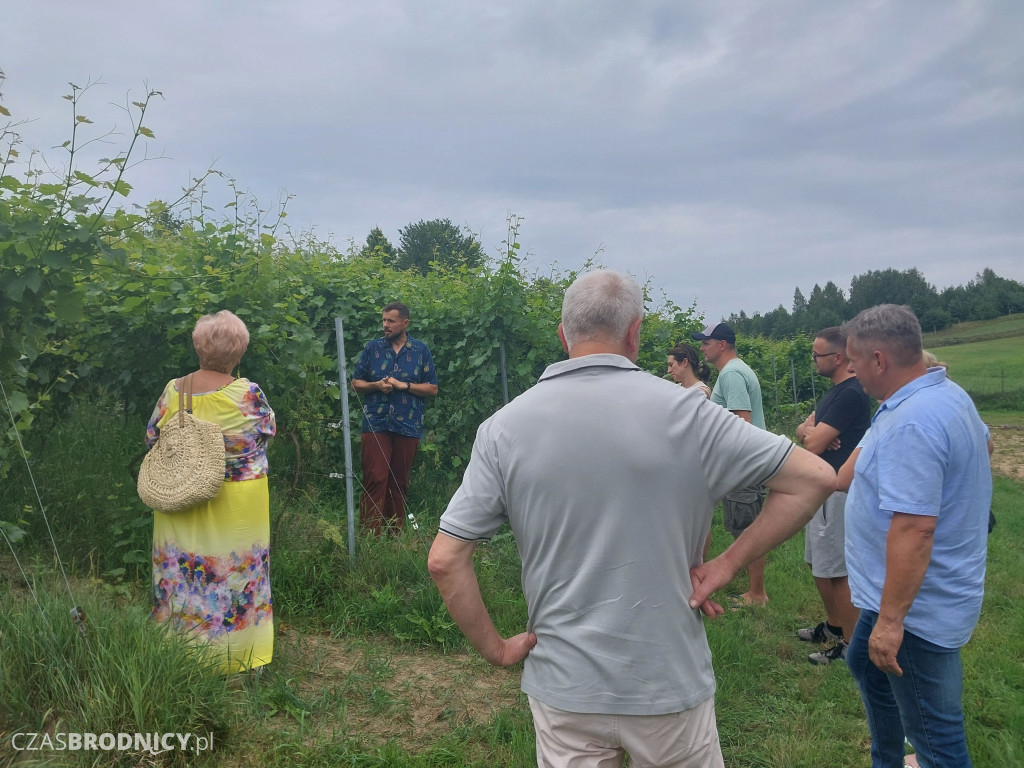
column 687, row 739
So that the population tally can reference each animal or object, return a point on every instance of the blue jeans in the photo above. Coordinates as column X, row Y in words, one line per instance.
column 924, row 705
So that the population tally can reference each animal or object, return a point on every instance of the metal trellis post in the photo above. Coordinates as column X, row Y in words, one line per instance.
column 792, row 373
column 339, row 330
column 504, row 373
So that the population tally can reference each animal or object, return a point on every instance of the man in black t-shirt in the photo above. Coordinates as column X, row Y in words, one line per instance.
column 832, row 432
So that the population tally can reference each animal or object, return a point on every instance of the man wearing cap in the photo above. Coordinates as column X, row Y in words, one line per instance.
column 738, row 390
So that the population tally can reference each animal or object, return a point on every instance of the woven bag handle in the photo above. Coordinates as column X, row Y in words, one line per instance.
column 183, row 384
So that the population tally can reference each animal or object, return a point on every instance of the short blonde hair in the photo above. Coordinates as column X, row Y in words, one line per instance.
column 220, row 341
column 931, row 360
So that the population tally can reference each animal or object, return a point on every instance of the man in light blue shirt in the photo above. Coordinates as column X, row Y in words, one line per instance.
column 916, row 528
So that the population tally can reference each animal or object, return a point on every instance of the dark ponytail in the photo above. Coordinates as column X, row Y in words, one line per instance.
column 686, row 352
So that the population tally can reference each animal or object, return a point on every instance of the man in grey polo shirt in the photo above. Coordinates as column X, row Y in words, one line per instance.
column 608, row 476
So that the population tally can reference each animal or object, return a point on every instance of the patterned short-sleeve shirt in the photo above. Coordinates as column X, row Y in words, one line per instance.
column 398, row 412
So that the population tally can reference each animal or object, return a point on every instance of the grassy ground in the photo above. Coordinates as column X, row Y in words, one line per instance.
column 342, row 692
column 1003, row 418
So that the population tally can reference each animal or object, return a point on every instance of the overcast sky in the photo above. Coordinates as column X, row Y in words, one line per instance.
column 729, row 151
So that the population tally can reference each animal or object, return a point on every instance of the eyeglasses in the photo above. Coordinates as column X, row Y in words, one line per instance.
column 815, row 355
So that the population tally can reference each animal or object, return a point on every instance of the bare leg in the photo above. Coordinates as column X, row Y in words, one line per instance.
column 839, row 608
column 756, row 595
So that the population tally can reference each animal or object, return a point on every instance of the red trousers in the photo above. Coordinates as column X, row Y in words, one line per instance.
column 387, row 459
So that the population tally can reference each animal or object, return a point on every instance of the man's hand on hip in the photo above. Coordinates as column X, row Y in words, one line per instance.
column 514, row 649
column 707, row 578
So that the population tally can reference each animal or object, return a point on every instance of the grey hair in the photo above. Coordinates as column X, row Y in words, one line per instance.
column 894, row 326
column 600, row 305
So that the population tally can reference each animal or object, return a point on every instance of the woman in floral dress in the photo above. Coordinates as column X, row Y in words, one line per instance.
column 211, row 562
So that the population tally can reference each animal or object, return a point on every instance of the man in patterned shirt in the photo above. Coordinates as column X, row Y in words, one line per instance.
column 395, row 374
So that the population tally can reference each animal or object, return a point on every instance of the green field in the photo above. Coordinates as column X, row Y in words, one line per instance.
column 982, row 330
column 986, row 367
column 986, row 358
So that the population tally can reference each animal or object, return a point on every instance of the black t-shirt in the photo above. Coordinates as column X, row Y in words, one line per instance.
column 847, row 408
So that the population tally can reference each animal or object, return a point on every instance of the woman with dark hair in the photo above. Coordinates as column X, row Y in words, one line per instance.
column 211, row 562
column 686, row 368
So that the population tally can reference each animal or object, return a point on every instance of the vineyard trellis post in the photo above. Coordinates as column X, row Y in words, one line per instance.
column 814, row 392
column 339, row 330
column 504, row 373
column 775, row 383
column 792, row 373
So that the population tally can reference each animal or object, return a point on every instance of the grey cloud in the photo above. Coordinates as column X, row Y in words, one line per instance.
column 795, row 142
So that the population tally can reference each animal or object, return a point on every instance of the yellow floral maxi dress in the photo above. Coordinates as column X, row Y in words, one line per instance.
column 211, row 563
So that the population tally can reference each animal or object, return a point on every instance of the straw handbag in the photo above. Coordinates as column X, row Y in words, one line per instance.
column 186, row 466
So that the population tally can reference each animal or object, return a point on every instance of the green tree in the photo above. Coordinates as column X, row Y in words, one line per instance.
column 436, row 241
column 377, row 244
column 957, row 301
column 1005, row 296
column 935, row 319
column 799, row 302
column 825, row 307
column 892, row 286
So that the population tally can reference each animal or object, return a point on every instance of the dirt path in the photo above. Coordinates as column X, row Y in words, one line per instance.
column 1008, row 457
column 391, row 692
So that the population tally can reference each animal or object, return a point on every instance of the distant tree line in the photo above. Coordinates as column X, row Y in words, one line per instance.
column 983, row 298
column 424, row 244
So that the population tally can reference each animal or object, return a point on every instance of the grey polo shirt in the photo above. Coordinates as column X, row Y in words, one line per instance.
column 608, row 477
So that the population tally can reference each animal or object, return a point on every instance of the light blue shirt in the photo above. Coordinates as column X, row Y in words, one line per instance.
column 926, row 454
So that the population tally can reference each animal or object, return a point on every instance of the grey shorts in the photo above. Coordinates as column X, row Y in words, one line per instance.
column 824, row 545
column 741, row 508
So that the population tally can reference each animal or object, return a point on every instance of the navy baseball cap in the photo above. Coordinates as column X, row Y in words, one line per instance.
column 721, row 332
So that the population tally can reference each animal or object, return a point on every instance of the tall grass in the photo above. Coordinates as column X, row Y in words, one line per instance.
column 80, row 462
column 386, row 589
column 124, row 674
